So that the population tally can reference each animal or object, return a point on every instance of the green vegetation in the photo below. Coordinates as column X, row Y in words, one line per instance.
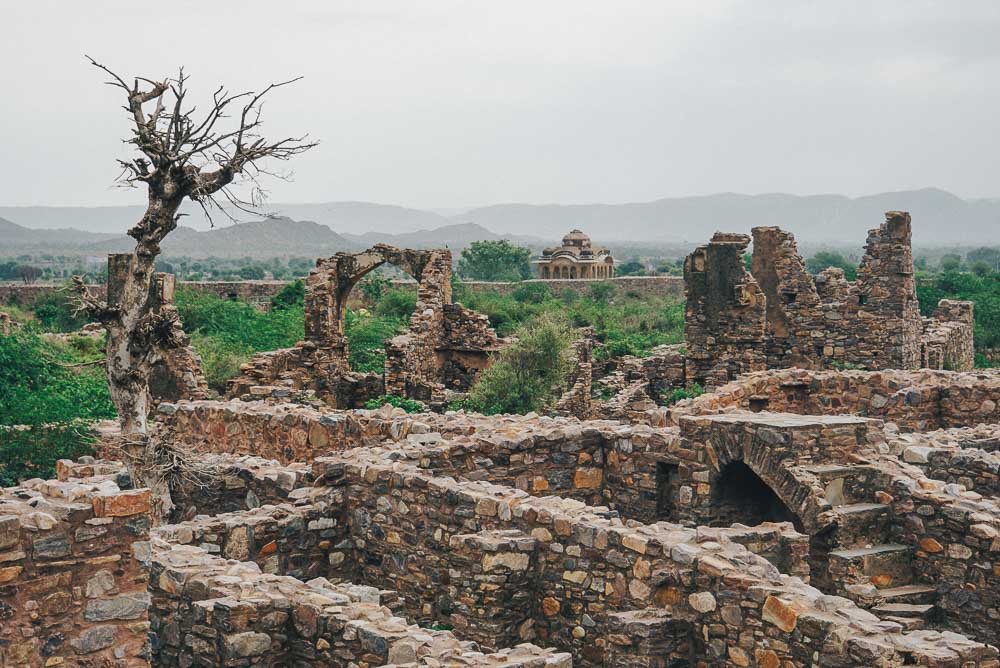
column 495, row 261
column 226, row 333
column 408, row 405
column 825, row 259
column 46, row 386
column 681, row 393
column 624, row 324
column 530, row 374
column 983, row 290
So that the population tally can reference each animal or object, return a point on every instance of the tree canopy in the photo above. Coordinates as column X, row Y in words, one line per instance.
column 495, row 261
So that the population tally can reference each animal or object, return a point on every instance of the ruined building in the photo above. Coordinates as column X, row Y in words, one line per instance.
column 788, row 518
column 576, row 258
column 777, row 315
column 443, row 349
column 767, row 524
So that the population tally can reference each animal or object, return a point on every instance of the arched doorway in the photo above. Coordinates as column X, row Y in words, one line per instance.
column 740, row 495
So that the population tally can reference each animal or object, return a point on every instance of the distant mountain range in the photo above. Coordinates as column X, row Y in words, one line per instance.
column 939, row 218
column 259, row 239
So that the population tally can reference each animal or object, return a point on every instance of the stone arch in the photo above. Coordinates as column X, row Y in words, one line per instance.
column 329, row 285
column 772, row 466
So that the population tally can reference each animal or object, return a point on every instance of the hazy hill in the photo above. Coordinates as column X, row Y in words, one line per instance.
column 353, row 217
column 458, row 235
column 18, row 236
column 938, row 217
column 264, row 238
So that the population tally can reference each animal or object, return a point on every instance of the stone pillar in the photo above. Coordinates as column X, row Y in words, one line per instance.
column 724, row 317
column 888, row 293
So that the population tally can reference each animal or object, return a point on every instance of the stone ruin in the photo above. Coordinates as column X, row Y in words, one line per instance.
column 779, row 316
column 791, row 518
column 800, row 513
column 442, row 351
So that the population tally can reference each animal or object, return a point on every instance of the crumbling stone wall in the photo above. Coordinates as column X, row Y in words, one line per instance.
column 914, row 400
column 443, row 348
column 72, row 578
column 591, row 568
column 213, row 612
column 725, row 316
column 872, row 323
column 947, row 341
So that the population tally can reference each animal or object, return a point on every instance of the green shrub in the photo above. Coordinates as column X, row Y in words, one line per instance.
column 374, row 285
column 57, row 313
column 408, row 405
column 681, row 393
column 290, row 296
column 366, row 335
column 530, row 374
column 397, row 303
column 531, row 293
column 32, row 452
column 603, row 291
column 36, row 389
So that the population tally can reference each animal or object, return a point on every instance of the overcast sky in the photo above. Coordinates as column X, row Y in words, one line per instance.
column 445, row 103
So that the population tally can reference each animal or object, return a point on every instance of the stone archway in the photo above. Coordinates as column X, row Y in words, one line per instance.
column 740, row 495
column 329, row 286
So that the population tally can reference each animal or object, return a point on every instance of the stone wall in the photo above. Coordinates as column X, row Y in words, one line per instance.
column 724, row 316
column 258, row 293
column 72, row 580
column 591, row 567
column 214, row 612
column 443, row 348
column 914, row 400
column 778, row 315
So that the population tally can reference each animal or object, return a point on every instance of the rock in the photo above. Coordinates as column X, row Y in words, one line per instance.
column 781, row 614
column 94, row 639
column 702, row 601
column 247, row 644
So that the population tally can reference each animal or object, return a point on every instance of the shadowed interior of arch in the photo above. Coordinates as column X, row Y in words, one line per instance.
column 740, row 495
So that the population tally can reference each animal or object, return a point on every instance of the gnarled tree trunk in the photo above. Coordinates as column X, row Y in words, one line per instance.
column 180, row 158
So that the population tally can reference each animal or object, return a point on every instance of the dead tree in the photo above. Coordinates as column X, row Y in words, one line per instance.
column 207, row 157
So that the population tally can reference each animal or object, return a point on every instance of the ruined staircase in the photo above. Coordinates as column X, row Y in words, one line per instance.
column 860, row 564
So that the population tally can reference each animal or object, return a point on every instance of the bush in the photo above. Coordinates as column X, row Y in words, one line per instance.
column 681, row 393
column 408, row 405
column 290, row 296
column 602, row 292
column 32, row 452
column 374, row 285
column 531, row 293
column 528, row 375
column 56, row 313
column 35, row 389
column 366, row 335
column 397, row 303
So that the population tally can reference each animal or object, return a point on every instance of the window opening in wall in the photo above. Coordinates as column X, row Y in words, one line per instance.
column 862, row 300
column 758, row 404
column 789, row 297
column 666, row 487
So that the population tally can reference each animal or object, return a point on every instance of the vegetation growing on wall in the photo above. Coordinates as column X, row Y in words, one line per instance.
column 530, row 374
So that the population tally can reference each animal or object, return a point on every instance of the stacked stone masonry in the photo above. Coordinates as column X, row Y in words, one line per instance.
column 443, row 349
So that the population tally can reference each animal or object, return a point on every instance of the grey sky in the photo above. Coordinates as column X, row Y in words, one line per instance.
column 444, row 103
